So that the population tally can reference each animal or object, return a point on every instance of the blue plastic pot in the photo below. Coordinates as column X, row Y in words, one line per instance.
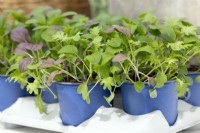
column 141, row 103
column 9, row 93
column 47, row 96
column 193, row 95
column 74, row 110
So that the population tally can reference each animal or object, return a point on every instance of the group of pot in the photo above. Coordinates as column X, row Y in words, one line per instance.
column 80, row 63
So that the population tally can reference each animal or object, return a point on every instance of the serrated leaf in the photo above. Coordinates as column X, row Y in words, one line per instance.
column 95, row 31
column 94, row 58
column 107, row 83
column 197, row 79
column 189, row 30
column 160, row 79
column 68, row 49
column 114, row 69
column 139, row 86
column 97, row 40
column 182, row 87
column 176, row 46
column 114, row 42
column 83, row 90
column 153, row 93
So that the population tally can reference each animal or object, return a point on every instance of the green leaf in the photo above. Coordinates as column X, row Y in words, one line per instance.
column 69, row 14
column 148, row 17
column 114, row 42
column 34, row 66
column 113, row 50
column 147, row 49
column 68, row 49
column 12, row 68
column 139, row 86
column 141, row 29
column 33, row 87
column 197, row 79
column 154, row 30
column 106, row 57
column 94, row 58
column 182, row 87
column 107, row 83
column 103, row 71
column 160, row 79
column 114, row 69
column 97, row 40
column 47, row 35
column 83, row 90
column 168, row 34
column 153, row 93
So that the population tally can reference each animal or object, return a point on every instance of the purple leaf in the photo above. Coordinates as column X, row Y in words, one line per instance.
column 57, row 28
column 50, row 62
column 20, row 35
column 52, row 76
column 122, row 29
column 47, row 63
column 20, row 50
column 91, row 23
column 24, row 63
column 109, row 30
column 58, row 61
column 119, row 57
column 33, row 47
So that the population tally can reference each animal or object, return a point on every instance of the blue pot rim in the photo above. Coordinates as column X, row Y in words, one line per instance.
column 146, row 84
column 193, row 73
column 4, row 76
column 72, row 84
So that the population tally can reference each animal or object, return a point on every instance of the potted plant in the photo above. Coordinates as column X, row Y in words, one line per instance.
column 192, row 96
column 150, row 68
column 83, row 78
column 34, row 46
column 10, row 91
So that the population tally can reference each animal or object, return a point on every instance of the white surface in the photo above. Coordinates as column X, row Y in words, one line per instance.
column 113, row 120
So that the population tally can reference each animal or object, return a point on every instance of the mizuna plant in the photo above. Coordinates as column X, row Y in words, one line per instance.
column 86, row 60
column 153, row 52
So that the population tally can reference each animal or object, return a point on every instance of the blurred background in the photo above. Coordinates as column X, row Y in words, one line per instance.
column 184, row 9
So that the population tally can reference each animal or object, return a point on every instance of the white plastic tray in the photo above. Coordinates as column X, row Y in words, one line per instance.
column 23, row 112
